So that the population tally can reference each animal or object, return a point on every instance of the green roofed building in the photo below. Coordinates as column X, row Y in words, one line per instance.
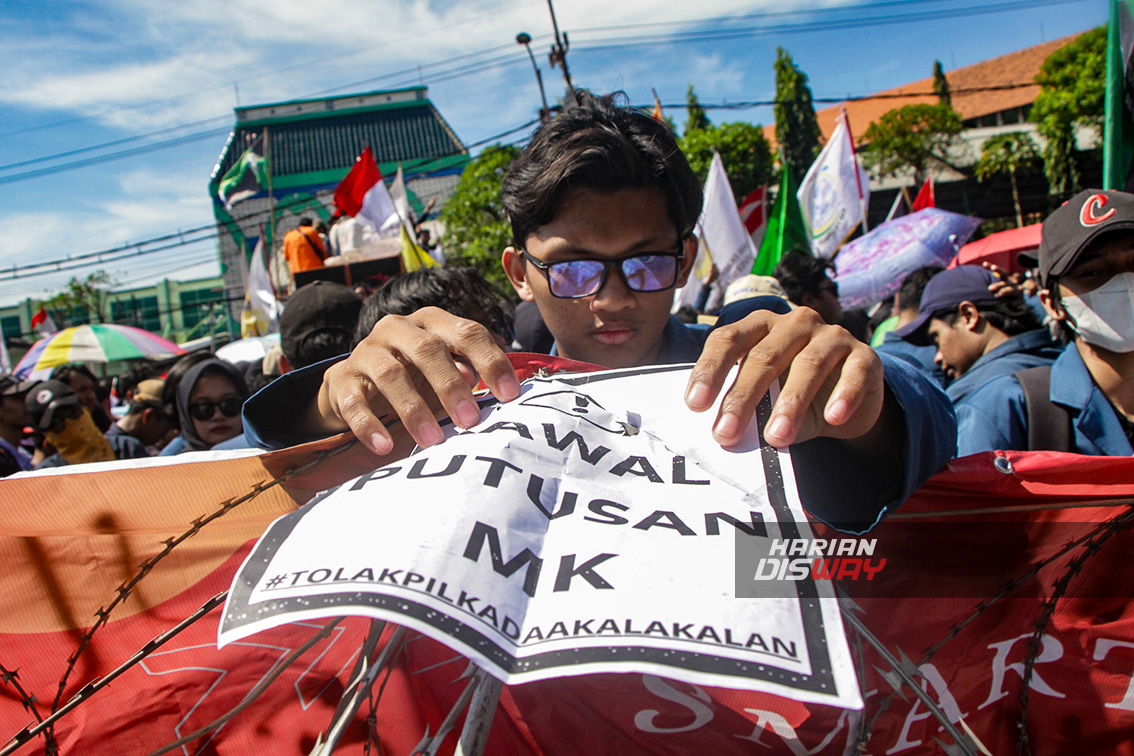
column 311, row 144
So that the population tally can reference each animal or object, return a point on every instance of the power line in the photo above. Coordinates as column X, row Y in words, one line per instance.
column 622, row 43
column 167, row 144
column 199, row 233
column 445, row 70
column 116, row 142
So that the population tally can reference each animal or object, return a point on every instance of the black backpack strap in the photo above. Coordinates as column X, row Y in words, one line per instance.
column 1049, row 424
column 314, row 247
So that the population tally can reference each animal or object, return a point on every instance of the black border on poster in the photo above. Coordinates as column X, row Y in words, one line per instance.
column 240, row 612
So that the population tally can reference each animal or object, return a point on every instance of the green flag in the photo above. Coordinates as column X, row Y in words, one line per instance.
column 1118, row 129
column 246, row 178
column 785, row 230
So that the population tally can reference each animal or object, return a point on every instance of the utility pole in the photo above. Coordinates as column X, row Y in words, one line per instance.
column 558, row 57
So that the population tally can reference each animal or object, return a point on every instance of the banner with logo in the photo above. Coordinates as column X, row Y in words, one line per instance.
column 1006, row 586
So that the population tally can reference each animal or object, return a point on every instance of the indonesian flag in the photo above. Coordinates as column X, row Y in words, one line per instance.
column 924, row 197
column 363, row 195
column 42, row 323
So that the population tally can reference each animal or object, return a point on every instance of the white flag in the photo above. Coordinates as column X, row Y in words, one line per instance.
column 379, row 211
column 724, row 242
column 834, row 194
column 5, row 358
column 259, row 294
column 400, row 197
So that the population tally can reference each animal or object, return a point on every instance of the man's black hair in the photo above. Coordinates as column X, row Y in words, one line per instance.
column 305, row 221
column 1010, row 314
column 598, row 144
column 321, row 345
column 909, row 295
column 128, row 380
column 801, row 273
column 464, row 292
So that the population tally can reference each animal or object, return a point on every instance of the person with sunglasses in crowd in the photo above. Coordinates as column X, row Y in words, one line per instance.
column 602, row 205
column 209, row 398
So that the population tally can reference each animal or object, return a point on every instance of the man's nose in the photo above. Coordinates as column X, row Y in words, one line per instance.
column 614, row 293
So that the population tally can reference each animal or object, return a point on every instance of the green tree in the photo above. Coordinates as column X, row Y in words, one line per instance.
column 476, row 226
column 744, row 149
column 1072, row 91
column 797, row 130
column 1008, row 153
column 82, row 300
column 696, row 118
column 912, row 137
column 941, row 85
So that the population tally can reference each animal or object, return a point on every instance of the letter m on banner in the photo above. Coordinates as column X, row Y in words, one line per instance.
column 482, row 533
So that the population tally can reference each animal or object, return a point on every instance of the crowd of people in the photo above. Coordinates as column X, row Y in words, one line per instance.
column 602, row 206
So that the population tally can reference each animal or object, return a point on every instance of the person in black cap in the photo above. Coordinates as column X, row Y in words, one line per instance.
column 979, row 334
column 56, row 412
column 13, row 419
column 1084, row 402
column 318, row 322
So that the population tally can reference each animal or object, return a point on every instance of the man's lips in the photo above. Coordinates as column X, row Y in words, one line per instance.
column 614, row 335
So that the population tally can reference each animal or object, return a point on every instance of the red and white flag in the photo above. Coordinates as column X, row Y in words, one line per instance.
column 42, row 323
column 363, row 195
column 754, row 213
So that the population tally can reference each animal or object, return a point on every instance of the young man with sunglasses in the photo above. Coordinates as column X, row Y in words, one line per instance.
column 602, row 205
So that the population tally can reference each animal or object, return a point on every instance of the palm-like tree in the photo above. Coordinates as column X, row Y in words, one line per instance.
column 1008, row 153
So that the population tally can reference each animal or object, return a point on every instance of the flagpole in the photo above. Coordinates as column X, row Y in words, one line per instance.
column 271, row 204
column 857, row 176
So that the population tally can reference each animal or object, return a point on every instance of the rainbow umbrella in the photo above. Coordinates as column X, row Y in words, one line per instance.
column 101, row 342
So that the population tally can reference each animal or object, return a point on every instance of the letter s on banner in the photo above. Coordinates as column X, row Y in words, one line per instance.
column 702, row 714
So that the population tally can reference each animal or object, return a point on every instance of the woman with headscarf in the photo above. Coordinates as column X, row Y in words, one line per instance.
column 209, row 399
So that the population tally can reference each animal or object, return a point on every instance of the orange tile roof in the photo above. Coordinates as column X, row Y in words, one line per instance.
column 1018, row 67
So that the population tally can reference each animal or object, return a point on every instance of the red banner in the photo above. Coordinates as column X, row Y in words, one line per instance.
column 68, row 542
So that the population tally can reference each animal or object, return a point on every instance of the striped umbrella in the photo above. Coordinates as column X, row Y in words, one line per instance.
column 101, row 342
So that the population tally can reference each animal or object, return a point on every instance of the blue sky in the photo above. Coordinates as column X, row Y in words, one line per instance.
column 161, row 80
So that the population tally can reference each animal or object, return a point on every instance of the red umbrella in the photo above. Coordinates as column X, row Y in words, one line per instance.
column 1001, row 248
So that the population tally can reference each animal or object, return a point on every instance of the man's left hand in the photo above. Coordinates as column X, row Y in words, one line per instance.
column 832, row 384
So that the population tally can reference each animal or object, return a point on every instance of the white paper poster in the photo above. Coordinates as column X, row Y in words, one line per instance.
column 589, row 526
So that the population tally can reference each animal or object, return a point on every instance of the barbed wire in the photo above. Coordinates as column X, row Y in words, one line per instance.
column 903, row 673
column 1092, row 547
column 102, row 615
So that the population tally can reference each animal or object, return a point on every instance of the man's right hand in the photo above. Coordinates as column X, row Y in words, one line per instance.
column 412, row 367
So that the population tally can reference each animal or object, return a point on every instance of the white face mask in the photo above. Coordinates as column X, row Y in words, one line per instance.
column 1105, row 317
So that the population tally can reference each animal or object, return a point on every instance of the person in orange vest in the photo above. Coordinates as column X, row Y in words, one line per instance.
column 303, row 248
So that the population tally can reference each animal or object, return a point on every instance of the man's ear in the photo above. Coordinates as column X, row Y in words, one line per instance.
column 285, row 366
column 1053, row 304
column 517, row 272
column 970, row 315
column 686, row 266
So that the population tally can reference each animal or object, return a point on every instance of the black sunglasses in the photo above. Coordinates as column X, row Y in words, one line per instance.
column 229, row 407
column 584, row 277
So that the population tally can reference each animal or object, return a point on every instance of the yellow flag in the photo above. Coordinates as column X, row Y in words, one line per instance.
column 413, row 256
